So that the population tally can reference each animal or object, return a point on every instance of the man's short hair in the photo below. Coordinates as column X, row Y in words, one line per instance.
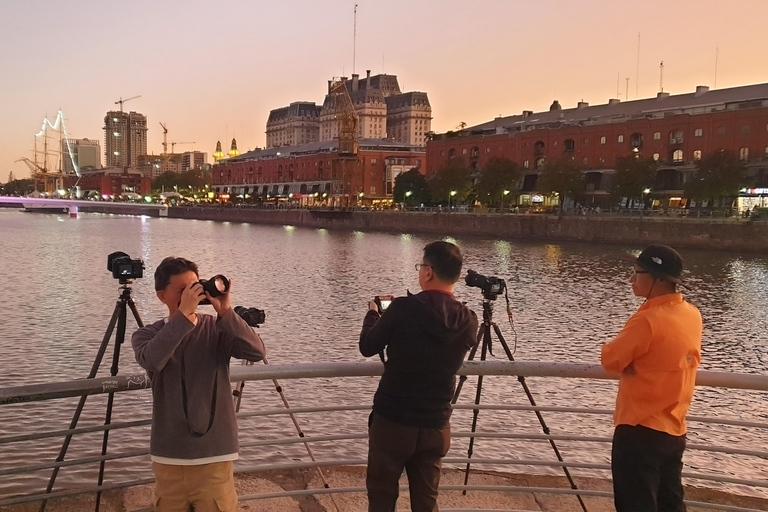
column 172, row 266
column 445, row 259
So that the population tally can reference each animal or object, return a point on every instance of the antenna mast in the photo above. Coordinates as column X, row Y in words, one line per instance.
column 354, row 41
column 717, row 54
column 637, row 73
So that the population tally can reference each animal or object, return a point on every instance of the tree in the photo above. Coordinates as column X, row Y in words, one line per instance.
column 563, row 177
column 21, row 187
column 166, row 181
column 414, row 182
column 498, row 175
column 633, row 177
column 453, row 176
column 717, row 176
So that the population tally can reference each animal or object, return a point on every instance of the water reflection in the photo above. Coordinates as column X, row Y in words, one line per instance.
column 315, row 284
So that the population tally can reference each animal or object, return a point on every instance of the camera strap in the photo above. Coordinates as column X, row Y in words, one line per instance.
column 184, row 399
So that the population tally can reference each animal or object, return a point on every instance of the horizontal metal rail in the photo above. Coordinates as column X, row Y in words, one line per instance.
column 38, row 392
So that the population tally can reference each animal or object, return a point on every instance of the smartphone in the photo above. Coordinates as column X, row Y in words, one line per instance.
column 383, row 302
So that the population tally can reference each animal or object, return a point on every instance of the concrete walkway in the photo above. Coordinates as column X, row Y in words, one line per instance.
column 138, row 499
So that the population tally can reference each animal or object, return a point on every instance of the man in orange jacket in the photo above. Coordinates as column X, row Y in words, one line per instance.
column 656, row 353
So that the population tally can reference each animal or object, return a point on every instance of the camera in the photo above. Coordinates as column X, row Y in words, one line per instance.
column 215, row 286
column 492, row 286
column 383, row 302
column 123, row 267
column 252, row 316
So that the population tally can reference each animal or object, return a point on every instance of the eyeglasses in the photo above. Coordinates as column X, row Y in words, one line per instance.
column 419, row 265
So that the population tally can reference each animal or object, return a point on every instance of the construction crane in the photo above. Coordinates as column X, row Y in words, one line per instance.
column 121, row 101
column 165, row 138
column 173, row 144
column 345, row 165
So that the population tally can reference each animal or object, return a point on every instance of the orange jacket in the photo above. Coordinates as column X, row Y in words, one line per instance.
column 662, row 343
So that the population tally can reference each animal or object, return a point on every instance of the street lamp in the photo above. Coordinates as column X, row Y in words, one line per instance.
column 453, row 193
column 502, row 198
column 645, row 191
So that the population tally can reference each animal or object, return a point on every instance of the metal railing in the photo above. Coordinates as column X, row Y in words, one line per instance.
column 583, row 432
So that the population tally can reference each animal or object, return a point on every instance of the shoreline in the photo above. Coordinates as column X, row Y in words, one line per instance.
column 731, row 234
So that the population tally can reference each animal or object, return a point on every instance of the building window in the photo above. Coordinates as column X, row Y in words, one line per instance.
column 373, row 161
column 698, row 132
column 451, row 153
column 570, row 145
column 464, row 151
column 487, row 149
column 602, row 140
column 697, row 154
column 585, row 161
column 744, row 154
column 601, row 161
column 620, row 139
column 656, row 157
column 766, row 152
column 526, row 164
column 676, row 137
column 442, row 152
column 373, row 190
column 677, row 156
column 586, row 141
column 656, row 135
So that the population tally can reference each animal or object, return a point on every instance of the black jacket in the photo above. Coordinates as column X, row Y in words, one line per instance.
column 426, row 337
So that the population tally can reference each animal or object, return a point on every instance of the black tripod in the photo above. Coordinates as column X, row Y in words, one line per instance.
column 484, row 335
column 118, row 316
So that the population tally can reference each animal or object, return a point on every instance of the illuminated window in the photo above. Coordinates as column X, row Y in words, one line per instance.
column 744, row 154
column 526, row 164
column 677, row 156
column 656, row 157
column 656, row 135
column 602, row 140
column 697, row 154
column 620, row 139
column 698, row 132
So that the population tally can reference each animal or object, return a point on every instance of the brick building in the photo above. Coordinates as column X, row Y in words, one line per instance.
column 111, row 181
column 314, row 173
column 675, row 130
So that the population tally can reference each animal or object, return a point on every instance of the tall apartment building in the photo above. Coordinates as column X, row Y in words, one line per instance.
column 125, row 138
column 384, row 112
column 298, row 123
column 86, row 154
column 193, row 160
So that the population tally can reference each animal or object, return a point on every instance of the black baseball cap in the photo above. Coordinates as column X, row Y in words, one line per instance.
column 660, row 261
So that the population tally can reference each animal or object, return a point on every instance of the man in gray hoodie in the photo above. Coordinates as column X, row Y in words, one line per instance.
column 426, row 337
column 194, row 430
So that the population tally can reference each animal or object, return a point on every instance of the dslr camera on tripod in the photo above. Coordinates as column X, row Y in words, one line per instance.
column 491, row 286
column 123, row 267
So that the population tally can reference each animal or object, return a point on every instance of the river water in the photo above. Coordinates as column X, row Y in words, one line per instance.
column 314, row 284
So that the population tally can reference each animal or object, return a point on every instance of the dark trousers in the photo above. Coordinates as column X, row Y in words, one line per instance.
column 646, row 466
column 393, row 447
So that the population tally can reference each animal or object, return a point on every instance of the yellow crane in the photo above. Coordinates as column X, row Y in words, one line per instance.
column 345, row 165
column 121, row 101
column 165, row 139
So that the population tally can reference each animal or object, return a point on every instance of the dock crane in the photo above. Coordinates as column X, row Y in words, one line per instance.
column 345, row 165
column 165, row 139
column 173, row 144
column 121, row 101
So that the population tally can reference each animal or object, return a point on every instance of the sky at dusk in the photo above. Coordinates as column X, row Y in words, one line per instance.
column 211, row 70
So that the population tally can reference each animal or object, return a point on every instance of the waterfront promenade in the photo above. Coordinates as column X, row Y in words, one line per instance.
column 693, row 232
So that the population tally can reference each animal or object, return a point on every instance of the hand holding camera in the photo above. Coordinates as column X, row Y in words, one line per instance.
column 216, row 293
column 380, row 303
column 190, row 298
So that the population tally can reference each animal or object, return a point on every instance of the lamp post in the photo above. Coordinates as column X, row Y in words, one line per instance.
column 453, row 193
column 502, row 199
column 408, row 194
column 645, row 191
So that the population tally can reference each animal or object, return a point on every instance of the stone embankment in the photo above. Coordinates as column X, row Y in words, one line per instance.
column 139, row 499
column 731, row 234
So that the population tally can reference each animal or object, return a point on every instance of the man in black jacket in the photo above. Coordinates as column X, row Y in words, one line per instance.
column 426, row 337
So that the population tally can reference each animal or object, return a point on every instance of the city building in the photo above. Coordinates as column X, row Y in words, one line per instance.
column 315, row 173
column 193, row 160
column 125, row 139
column 153, row 166
column 111, row 182
column 298, row 123
column 383, row 110
column 85, row 153
column 674, row 130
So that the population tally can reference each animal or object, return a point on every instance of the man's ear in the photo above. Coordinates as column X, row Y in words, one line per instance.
column 161, row 295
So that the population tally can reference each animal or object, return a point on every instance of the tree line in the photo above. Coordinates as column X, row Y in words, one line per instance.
column 717, row 176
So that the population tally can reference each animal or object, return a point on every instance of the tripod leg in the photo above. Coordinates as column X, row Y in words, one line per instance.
column 543, row 424
column 463, row 378
column 81, row 403
column 486, row 342
column 119, row 339
column 135, row 312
